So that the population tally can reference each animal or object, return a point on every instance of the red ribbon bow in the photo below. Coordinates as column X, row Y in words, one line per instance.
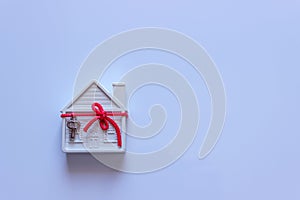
column 101, row 115
column 103, row 118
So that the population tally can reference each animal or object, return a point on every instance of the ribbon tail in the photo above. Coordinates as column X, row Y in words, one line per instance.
column 87, row 126
column 115, row 125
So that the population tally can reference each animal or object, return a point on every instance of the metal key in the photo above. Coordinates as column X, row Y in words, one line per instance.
column 73, row 124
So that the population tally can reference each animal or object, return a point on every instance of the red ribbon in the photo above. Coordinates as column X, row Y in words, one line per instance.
column 101, row 115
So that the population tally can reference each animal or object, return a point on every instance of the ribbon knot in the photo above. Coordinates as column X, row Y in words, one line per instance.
column 102, row 115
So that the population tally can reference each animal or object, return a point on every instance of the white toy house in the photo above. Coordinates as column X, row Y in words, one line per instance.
column 95, row 121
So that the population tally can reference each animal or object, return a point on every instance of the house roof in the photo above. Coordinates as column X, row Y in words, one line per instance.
column 94, row 92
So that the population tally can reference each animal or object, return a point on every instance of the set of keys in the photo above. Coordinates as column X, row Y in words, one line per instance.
column 74, row 125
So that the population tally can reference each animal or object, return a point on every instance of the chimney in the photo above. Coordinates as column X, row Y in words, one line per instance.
column 120, row 93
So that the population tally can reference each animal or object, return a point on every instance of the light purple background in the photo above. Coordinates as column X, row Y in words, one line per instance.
column 256, row 47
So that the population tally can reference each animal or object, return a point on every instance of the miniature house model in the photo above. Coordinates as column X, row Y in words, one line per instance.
column 95, row 121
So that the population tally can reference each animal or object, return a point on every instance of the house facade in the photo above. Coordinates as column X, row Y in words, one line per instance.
column 85, row 118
